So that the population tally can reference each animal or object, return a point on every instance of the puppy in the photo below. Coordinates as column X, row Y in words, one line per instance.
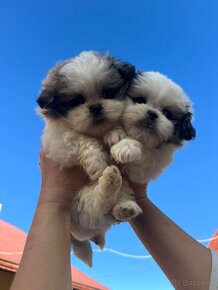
column 157, row 120
column 81, row 101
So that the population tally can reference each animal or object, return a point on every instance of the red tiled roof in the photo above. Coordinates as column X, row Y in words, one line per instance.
column 79, row 279
column 12, row 241
column 214, row 243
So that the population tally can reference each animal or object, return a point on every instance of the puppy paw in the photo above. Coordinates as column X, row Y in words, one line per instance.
column 126, row 151
column 107, row 189
column 126, row 210
column 111, row 180
column 113, row 137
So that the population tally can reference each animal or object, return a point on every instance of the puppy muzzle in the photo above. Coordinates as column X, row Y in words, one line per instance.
column 96, row 112
column 149, row 122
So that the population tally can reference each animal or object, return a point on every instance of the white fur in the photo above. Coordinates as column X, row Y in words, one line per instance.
column 72, row 139
column 145, row 154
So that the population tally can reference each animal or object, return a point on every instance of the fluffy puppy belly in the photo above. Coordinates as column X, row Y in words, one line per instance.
column 91, row 208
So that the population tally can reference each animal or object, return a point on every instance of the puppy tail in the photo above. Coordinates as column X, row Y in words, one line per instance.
column 83, row 250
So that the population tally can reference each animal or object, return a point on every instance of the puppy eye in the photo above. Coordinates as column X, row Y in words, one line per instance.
column 78, row 100
column 167, row 114
column 109, row 94
column 139, row 100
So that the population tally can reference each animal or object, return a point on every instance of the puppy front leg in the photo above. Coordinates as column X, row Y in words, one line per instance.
column 87, row 152
column 93, row 158
column 96, row 200
column 106, row 190
column 114, row 136
column 127, row 150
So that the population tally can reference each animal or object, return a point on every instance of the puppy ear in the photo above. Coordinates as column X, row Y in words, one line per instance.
column 125, row 69
column 187, row 131
column 45, row 99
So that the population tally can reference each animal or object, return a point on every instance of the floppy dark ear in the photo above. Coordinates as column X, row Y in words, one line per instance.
column 45, row 99
column 125, row 69
column 187, row 131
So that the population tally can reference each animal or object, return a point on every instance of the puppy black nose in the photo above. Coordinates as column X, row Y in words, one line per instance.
column 152, row 115
column 95, row 109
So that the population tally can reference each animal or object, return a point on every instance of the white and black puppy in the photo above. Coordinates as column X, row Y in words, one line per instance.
column 81, row 101
column 157, row 120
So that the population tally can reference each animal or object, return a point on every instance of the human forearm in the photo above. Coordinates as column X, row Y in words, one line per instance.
column 182, row 259
column 46, row 260
column 45, row 264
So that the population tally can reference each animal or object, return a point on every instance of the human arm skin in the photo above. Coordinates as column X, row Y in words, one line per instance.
column 185, row 262
column 45, row 263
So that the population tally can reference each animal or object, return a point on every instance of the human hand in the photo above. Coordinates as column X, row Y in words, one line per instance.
column 59, row 185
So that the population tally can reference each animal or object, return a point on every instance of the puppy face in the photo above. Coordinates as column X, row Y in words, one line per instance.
column 158, row 111
column 87, row 92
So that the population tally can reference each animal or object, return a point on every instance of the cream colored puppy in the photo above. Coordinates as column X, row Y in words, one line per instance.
column 157, row 120
column 81, row 101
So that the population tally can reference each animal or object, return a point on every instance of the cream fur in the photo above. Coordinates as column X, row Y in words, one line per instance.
column 147, row 151
column 71, row 137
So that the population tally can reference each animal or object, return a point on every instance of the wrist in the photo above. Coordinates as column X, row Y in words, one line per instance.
column 52, row 213
column 141, row 196
column 54, row 199
column 140, row 191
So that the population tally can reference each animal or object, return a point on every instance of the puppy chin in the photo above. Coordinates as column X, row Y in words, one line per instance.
column 88, row 126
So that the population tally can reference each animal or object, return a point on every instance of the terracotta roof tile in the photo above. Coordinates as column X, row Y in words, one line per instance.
column 214, row 243
column 12, row 241
column 79, row 278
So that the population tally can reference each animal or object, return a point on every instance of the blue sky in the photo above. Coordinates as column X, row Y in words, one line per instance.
column 177, row 38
